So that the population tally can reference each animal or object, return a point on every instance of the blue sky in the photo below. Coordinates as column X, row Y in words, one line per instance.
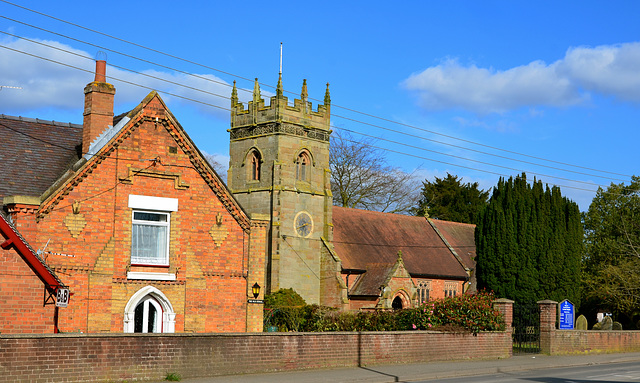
column 476, row 89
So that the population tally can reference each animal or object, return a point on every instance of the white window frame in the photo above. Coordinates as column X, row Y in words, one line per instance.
column 162, row 259
column 168, row 315
column 146, row 303
column 153, row 205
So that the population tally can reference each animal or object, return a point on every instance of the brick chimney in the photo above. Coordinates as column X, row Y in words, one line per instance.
column 98, row 106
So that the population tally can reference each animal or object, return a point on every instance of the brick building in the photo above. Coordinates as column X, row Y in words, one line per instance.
column 334, row 256
column 130, row 215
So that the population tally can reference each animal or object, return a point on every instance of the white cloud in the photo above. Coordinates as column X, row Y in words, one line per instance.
column 610, row 70
column 47, row 84
column 43, row 83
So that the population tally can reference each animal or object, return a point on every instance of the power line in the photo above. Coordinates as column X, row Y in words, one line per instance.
column 385, row 149
column 334, row 105
column 467, row 159
column 117, row 79
column 350, row 119
column 352, row 131
column 398, row 152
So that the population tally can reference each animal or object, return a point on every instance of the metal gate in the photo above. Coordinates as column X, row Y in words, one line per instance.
column 526, row 328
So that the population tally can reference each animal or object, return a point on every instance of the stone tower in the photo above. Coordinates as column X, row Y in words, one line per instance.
column 279, row 168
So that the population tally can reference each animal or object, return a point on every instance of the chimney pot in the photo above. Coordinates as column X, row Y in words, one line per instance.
column 101, row 71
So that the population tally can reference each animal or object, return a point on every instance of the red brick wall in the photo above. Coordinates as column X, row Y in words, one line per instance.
column 22, row 298
column 554, row 341
column 574, row 341
column 118, row 357
column 93, row 257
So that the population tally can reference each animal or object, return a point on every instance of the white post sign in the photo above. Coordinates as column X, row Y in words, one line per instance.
column 62, row 297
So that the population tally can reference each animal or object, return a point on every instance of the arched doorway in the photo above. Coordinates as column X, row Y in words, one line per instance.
column 397, row 303
column 149, row 310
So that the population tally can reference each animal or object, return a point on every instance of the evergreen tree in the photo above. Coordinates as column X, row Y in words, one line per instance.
column 451, row 200
column 529, row 243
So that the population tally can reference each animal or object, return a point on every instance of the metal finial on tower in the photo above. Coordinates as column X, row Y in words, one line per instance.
column 280, row 58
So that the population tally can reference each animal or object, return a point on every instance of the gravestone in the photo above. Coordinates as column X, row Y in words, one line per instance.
column 607, row 323
column 581, row 323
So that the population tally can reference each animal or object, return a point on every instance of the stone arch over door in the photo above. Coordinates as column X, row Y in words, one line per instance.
column 153, row 298
column 401, row 300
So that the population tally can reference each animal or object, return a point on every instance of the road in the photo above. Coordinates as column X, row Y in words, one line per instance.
column 599, row 368
column 619, row 372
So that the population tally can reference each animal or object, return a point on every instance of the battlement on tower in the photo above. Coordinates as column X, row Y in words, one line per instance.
column 279, row 117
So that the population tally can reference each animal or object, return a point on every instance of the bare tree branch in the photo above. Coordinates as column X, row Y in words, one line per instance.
column 361, row 178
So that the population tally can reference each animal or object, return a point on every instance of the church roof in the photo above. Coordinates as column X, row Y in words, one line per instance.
column 365, row 239
column 369, row 283
column 35, row 153
column 461, row 237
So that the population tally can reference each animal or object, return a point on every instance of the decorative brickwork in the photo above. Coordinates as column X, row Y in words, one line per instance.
column 206, row 282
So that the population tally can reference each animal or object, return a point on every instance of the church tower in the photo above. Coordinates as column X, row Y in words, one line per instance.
column 279, row 168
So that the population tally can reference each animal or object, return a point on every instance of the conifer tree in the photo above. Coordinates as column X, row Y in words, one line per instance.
column 529, row 243
column 451, row 200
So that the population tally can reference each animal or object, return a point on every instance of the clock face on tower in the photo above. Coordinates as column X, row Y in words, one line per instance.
column 303, row 224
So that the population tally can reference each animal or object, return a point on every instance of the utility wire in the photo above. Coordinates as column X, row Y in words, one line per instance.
column 468, row 159
column 345, row 129
column 377, row 147
column 117, row 79
column 334, row 105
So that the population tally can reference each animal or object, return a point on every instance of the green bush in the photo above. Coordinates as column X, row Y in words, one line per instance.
column 283, row 298
column 473, row 313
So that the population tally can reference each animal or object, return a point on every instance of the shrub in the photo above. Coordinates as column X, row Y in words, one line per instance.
column 473, row 313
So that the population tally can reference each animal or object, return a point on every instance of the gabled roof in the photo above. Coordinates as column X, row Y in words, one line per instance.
column 109, row 140
column 461, row 237
column 35, row 153
column 368, row 284
column 12, row 238
column 363, row 239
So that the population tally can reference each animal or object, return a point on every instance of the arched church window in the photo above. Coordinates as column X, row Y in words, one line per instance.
column 254, row 165
column 303, row 166
column 424, row 289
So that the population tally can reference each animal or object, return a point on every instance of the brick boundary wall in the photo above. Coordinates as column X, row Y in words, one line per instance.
column 136, row 357
column 557, row 342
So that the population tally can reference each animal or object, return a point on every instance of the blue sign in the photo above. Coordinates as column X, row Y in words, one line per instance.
column 566, row 315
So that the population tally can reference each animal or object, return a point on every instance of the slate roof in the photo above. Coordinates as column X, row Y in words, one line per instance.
column 365, row 239
column 461, row 236
column 35, row 153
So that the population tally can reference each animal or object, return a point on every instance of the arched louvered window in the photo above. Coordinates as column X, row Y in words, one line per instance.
column 303, row 166
column 254, row 161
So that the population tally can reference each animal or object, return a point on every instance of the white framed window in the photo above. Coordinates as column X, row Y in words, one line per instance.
column 150, row 238
column 149, row 310
column 148, row 316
